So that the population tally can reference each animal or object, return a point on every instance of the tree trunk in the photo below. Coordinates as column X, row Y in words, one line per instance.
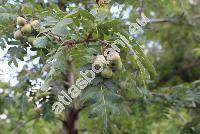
column 69, row 124
column 70, row 116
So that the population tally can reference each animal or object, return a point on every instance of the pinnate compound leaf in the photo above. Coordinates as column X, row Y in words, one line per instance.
column 41, row 42
column 60, row 28
column 81, row 12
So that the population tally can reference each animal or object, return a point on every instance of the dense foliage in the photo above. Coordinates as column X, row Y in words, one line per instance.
column 155, row 90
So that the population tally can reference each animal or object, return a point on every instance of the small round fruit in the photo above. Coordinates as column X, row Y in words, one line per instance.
column 26, row 29
column 99, row 62
column 100, row 59
column 34, row 23
column 107, row 73
column 117, row 65
column 21, row 21
column 18, row 35
column 31, row 39
column 115, row 61
column 115, row 56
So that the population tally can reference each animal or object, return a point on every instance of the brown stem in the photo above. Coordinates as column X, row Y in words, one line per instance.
column 70, row 116
column 74, row 42
column 158, row 20
column 69, row 124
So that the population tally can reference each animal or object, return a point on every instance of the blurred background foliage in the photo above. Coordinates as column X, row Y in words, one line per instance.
column 168, row 103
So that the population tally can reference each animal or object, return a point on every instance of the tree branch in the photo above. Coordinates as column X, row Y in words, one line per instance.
column 74, row 42
column 177, row 72
column 159, row 20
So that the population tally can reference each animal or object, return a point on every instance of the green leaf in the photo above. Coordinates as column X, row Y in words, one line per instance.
column 144, row 60
column 7, row 14
column 60, row 28
column 41, row 42
column 82, row 12
column 110, row 24
column 2, row 9
column 113, row 97
column 16, row 52
column 49, row 21
column 14, row 61
column 2, row 43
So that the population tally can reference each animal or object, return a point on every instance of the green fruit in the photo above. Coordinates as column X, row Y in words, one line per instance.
column 26, row 29
column 31, row 39
column 100, row 61
column 18, row 35
column 115, row 62
column 21, row 21
column 117, row 65
column 107, row 73
column 34, row 23
column 115, row 57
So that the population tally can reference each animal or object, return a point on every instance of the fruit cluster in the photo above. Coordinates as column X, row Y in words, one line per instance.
column 115, row 64
column 26, row 28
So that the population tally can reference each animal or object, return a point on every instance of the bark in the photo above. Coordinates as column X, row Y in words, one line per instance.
column 70, row 116
column 69, row 124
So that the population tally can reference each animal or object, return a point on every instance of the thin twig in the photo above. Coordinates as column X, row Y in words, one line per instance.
column 159, row 20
